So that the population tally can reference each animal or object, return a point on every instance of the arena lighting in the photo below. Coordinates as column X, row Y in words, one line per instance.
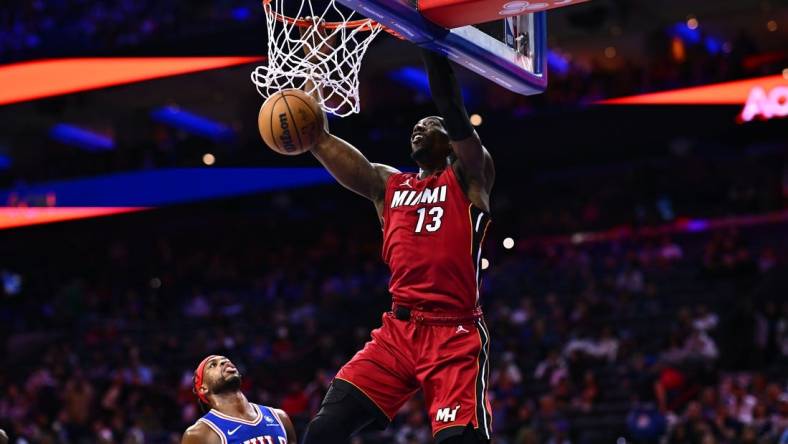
column 12, row 217
column 508, row 243
column 766, row 104
column 143, row 190
column 713, row 46
column 690, row 34
column 416, row 78
column 413, row 77
column 192, row 123
column 686, row 32
column 161, row 187
column 81, row 138
column 208, row 159
column 727, row 93
column 485, row 264
column 694, row 225
column 557, row 63
column 44, row 78
column 680, row 225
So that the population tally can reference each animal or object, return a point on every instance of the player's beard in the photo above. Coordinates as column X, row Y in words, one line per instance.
column 422, row 155
column 429, row 154
column 228, row 385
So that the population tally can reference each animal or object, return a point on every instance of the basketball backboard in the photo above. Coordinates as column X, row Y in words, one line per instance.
column 511, row 50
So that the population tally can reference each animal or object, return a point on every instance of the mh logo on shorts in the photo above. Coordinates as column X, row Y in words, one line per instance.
column 447, row 414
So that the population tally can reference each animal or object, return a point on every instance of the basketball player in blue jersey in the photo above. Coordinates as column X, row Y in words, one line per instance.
column 232, row 419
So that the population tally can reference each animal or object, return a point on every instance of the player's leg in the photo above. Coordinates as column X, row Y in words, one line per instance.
column 368, row 391
column 454, row 372
column 345, row 410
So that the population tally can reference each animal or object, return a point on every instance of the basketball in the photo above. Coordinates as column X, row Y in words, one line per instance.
column 290, row 122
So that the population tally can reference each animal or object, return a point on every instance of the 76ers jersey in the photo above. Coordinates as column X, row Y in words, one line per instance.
column 266, row 429
column 432, row 238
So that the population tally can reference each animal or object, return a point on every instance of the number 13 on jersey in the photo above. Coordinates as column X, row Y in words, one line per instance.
column 434, row 213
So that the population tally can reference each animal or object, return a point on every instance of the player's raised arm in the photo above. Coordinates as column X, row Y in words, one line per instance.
column 351, row 169
column 344, row 161
column 474, row 159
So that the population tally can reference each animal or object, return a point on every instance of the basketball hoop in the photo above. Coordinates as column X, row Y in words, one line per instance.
column 318, row 56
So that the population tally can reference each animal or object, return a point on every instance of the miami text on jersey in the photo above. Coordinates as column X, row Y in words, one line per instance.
column 413, row 197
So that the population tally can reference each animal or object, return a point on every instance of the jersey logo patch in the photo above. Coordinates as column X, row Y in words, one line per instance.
column 447, row 414
column 232, row 432
column 407, row 183
column 461, row 329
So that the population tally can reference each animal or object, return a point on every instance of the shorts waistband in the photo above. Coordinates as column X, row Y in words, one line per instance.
column 403, row 313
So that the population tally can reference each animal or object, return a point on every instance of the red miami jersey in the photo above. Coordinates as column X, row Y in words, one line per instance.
column 432, row 239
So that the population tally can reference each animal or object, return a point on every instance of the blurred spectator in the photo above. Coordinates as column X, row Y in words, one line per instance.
column 645, row 424
column 700, row 345
column 605, row 346
column 415, row 430
column 552, row 369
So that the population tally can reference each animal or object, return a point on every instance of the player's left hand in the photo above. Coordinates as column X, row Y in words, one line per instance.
column 317, row 43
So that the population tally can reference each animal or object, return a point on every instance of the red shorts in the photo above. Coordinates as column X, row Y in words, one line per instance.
column 447, row 361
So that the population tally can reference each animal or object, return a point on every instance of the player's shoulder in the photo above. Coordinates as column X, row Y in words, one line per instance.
column 391, row 175
column 200, row 433
column 286, row 423
column 385, row 172
column 279, row 412
column 384, row 169
column 273, row 410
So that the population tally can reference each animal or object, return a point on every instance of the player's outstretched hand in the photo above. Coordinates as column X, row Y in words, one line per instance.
column 317, row 46
column 317, row 43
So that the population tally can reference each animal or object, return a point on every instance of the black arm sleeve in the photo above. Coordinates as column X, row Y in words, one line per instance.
column 447, row 96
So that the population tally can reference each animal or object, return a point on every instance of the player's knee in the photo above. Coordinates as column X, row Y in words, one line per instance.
column 469, row 435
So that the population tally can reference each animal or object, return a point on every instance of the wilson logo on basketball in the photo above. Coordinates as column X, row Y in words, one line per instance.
column 286, row 138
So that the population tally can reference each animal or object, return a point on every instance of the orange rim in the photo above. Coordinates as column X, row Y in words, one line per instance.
column 361, row 24
column 364, row 24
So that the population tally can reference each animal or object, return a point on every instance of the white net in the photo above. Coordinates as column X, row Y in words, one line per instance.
column 326, row 59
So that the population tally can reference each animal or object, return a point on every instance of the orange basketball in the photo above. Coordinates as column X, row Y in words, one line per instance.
column 290, row 122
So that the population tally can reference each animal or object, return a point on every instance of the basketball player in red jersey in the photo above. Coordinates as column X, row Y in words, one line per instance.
column 434, row 339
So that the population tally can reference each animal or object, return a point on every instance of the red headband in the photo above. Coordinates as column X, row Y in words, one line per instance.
column 198, row 374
